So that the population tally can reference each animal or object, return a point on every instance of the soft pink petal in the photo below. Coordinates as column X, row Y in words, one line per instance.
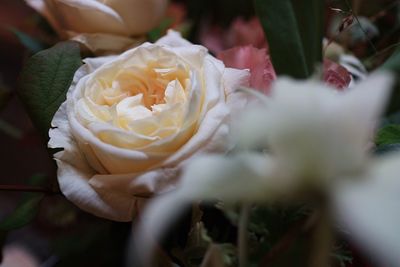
column 336, row 75
column 256, row 60
column 248, row 32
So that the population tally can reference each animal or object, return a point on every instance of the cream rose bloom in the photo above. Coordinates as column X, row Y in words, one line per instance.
column 104, row 26
column 130, row 122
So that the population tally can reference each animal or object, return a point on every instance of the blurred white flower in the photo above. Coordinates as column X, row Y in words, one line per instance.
column 306, row 137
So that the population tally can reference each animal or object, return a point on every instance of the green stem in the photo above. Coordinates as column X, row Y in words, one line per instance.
column 10, row 130
column 349, row 6
column 322, row 239
column 26, row 188
column 242, row 241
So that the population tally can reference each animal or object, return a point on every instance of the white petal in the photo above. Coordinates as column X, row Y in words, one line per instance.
column 102, row 44
column 243, row 177
column 94, row 63
column 370, row 210
column 89, row 16
column 137, row 184
column 365, row 103
column 173, row 39
column 139, row 16
column 214, row 119
column 231, row 179
column 317, row 132
column 108, row 204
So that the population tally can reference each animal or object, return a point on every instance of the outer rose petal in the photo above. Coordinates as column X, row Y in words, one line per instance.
column 88, row 16
column 102, row 44
column 140, row 16
column 257, row 60
column 336, row 75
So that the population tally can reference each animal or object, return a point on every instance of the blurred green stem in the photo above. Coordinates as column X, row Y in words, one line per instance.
column 26, row 188
column 322, row 238
column 10, row 130
column 242, row 241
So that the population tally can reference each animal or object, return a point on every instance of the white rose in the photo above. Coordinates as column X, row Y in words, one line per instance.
column 102, row 25
column 129, row 125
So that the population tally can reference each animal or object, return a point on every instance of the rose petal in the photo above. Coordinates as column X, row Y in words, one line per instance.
column 108, row 204
column 88, row 16
column 336, row 75
column 243, row 33
column 138, row 15
column 257, row 60
column 102, row 44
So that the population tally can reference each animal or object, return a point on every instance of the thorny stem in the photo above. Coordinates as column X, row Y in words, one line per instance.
column 27, row 188
column 242, row 241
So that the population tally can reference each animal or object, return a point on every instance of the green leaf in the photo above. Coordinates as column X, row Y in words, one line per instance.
column 157, row 33
column 388, row 135
column 294, row 32
column 385, row 149
column 45, row 81
column 29, row 42
column 5, row 95
column 393, row 63
column 23, row 214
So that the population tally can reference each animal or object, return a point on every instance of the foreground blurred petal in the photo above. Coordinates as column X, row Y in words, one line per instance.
column 371, row 210
column 240, row 178
column 316, row 132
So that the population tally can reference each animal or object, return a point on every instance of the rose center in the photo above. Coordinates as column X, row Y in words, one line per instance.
column 150, row 82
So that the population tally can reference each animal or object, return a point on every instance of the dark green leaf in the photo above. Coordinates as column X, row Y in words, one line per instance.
column 157, row 33
column 310, row 18
column 29, row 42
column 23, row 214
column 45, row 81
column 388, row 135
column 10, row 130
column 4, row 96
column 294, row 32
column 384, row 149
column 393, row 63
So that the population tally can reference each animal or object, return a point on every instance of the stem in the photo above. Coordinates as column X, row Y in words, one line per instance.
column 242, row 241
column 359, row 25
column 10, row 130
column 322, row 239
column 27, row 188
